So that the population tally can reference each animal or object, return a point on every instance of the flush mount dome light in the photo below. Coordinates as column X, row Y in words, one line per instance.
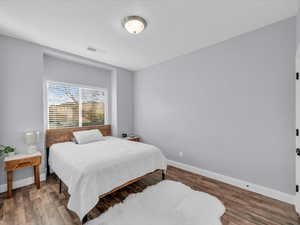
column 134, row 24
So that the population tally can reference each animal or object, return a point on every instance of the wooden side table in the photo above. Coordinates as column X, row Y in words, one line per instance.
column 136, row 139
column 21, row 161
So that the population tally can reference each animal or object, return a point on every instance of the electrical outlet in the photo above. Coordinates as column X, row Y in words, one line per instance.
column 180, row 154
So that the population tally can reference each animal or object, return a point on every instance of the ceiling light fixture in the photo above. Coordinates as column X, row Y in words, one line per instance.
column 134, row 24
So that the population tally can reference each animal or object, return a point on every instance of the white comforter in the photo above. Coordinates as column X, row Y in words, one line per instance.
column 90, row 170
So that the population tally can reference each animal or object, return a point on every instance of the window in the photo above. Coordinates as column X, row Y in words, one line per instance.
column 72, row 105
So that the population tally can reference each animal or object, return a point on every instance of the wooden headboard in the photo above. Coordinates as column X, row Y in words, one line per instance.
column 54, row 136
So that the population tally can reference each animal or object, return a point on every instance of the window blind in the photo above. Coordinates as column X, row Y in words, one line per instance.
column 74, row 106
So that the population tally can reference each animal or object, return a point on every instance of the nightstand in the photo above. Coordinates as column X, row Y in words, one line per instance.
column 136, row 139
column 21, row 161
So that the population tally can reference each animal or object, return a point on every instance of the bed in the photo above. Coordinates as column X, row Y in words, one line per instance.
column 99, row 168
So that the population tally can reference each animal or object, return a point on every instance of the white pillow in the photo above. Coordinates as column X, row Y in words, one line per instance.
column 88, row 136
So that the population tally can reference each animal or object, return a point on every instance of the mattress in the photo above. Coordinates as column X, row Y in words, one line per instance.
column 90, row 170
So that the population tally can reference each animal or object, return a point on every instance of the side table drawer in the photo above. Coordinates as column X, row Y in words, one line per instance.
column 22, row 163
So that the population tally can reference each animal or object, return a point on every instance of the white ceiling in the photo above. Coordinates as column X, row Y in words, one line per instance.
column 175, row 27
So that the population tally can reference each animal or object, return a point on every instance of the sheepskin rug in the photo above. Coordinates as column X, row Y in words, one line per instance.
column 166, row 203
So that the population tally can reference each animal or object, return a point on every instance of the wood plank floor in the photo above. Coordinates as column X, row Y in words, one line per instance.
column 47, row 207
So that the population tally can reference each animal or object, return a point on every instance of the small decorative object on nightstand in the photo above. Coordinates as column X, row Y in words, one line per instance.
column 21, row 161
column 133, row 138
column 6, row 150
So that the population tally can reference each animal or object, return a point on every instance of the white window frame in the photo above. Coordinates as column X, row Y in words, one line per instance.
column 106, row 112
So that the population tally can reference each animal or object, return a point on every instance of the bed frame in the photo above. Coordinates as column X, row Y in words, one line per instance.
column 54, row 136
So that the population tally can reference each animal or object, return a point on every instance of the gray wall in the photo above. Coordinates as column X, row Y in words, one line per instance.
column 67, row 71
column 125, row 102
column 21, row 91
column 22, row 74
column 229, row 108
column 298, row 27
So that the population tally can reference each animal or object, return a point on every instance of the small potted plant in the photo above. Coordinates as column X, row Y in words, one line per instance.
column 6, row 150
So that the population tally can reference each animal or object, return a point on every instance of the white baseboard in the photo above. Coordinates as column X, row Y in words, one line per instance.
column 236, row 182
column 22, row 183
column 226, row 179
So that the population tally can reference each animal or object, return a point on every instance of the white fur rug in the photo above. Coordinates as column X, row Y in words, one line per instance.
column 166, row 203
